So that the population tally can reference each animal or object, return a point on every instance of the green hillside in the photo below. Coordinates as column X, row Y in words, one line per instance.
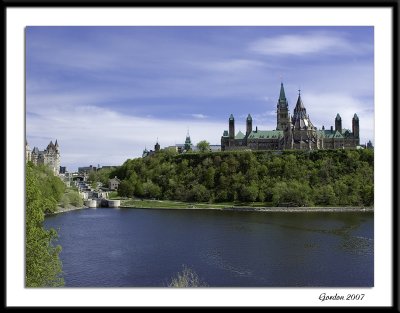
column 303, row 178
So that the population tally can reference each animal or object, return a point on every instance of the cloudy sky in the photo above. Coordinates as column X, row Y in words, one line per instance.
column 106, row 93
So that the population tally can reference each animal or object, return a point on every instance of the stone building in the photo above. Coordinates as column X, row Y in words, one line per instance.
column 28, row 152
column 292, row 132
column 50, row 156
column 113, row 183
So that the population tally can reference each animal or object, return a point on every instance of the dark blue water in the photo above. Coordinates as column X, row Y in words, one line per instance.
column 146, row 248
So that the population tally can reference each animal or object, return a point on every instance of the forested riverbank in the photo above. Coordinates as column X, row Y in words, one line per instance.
column 287, row 178
column 43, row 267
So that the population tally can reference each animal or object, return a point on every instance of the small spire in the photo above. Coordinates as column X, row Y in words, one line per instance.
column 231, row 117
column 338, row 117
column 249, row 117
column 355, row 116
column 299, row 104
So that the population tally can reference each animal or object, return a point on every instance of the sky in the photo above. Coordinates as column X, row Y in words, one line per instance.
column 107, row 93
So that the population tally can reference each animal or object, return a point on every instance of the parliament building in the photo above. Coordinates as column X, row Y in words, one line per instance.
column 292, row 132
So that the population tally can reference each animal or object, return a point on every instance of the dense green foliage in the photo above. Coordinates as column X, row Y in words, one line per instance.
column 323, row 177
column 101, row 176
column 71, row 198
column 51, row 187
column 43, row 267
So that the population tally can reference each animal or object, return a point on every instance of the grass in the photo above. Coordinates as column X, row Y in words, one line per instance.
column 166, row 204
column 169, row 204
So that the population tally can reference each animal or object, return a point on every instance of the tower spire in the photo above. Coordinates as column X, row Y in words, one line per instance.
column 282, row 112
column 282, row 96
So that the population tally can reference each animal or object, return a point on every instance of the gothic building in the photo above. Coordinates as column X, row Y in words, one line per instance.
column 292, row 132
column 50, row 156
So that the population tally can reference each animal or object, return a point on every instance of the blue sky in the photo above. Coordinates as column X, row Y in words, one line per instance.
column 106, row 93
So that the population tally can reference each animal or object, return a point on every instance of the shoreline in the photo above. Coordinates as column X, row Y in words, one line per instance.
column 64, row 210
column 268, row 209
column 237, row 209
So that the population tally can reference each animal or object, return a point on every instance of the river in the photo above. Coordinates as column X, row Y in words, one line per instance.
column 106, row 247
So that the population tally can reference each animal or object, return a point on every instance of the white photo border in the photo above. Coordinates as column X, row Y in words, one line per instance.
column 18, row 18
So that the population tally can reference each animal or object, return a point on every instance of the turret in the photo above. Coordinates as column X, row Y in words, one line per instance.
column 231, row 127
column 188, row 142
column 27, row 151
column 338, row 123
column 249, row 125
column 356, row 128
column 157, row 147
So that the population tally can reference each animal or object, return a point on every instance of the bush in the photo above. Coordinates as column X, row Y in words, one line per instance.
column 186, row 278
column 64, row 201
column 75, row 199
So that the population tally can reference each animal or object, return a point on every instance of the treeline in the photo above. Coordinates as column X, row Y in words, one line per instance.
column 42, row 264
column 323, row 177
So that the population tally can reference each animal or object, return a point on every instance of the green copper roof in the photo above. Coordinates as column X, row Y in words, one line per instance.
column 239, row 135
column 331, row 134
column 266, row 134
column 282, row 95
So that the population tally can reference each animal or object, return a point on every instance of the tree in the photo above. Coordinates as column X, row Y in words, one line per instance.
column 43, row 267
column 125, row 189
column 203, row 146
column 151, row 190
column 249, row 193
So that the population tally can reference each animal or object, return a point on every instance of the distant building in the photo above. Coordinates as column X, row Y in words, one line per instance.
column 50, row 156
column 63, row 169
column 292, row 132
column 28, row 155
column 215, row 148
column 86, row 169
column 107, row 167
column 151, row 152
column 113, row 183
column 180, row 147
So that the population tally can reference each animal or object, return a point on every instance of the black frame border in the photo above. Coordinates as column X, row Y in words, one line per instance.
column 393, row 4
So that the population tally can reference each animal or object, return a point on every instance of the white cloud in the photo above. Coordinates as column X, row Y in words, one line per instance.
column 92, row 135
column 232, row 65
column 311, row 43
column 323, row 107
column 199, row 116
